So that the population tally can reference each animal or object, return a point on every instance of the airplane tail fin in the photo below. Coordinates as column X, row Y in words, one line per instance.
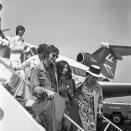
column 109, row 66
column 103, row 57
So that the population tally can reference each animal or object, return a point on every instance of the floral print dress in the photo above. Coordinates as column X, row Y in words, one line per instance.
column 86, row 108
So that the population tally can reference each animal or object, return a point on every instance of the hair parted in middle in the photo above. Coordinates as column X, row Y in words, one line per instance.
column 60, row 66
column 19, row 27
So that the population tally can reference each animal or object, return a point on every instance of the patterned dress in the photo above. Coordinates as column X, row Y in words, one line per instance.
column 86, row 108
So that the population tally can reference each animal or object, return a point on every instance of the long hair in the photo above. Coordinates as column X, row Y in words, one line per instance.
column 60, row 66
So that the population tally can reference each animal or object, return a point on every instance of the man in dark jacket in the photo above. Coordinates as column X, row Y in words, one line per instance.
column 44, row 83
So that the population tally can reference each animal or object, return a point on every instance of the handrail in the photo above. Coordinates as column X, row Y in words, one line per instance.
column 12, row 70
column 107, row 126
column 109, row 122
column 73, row 122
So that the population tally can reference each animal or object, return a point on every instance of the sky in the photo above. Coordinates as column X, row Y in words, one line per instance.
column 73, row 25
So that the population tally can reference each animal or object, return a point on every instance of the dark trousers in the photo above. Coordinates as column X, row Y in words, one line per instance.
column 99, row 123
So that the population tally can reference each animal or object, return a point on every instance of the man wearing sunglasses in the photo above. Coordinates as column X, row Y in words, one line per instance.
column 44, row 84
column 50, row 65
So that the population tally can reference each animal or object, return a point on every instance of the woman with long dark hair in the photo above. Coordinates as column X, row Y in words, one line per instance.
column 66, row 86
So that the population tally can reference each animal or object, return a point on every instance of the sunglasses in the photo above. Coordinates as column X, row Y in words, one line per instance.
column 55, row 55
column 21, row 30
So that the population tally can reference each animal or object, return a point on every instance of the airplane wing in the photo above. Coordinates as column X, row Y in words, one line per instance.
column 79, row 68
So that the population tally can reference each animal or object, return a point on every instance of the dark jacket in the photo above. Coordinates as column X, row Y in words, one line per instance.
column 67, row 91
column 44, row 107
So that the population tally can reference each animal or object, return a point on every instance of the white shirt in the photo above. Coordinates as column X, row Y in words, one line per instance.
column 17, row 43
column 17, row 46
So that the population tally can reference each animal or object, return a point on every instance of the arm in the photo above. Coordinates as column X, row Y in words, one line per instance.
column 36, row 85
column 23, row 65
column 34, row 82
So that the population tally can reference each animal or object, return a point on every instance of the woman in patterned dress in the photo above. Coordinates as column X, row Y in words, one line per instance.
column 90, row 99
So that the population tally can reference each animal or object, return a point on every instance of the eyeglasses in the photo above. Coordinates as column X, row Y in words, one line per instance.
column 55, row 55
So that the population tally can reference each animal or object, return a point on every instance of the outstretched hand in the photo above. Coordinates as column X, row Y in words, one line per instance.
column 50, row 94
